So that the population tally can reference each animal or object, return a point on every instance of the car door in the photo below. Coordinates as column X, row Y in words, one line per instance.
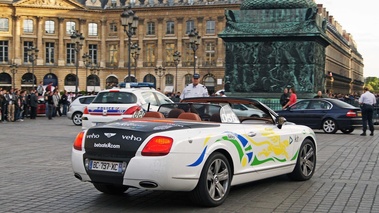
column 316, row 113
column 297, row 112
column 271, row 146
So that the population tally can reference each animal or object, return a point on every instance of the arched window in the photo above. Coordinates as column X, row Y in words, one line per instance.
column 150, row 78
column 70, row 80
column 210, row 82
column 111, row 81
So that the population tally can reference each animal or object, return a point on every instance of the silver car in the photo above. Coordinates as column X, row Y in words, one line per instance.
column 75, row 110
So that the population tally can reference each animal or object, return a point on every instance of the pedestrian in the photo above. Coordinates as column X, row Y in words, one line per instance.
column 4, row 106
column 293, row 98
column 10, row 99
column 64, row 102
column 40, row 88
column 2, row 103
column 33, row 104
column 195, row 89
column 285, row 97
column 222, row 94
column 56, row 106
column 367, row 102
column 46, row 99
column 319, row 95
column 50, row 105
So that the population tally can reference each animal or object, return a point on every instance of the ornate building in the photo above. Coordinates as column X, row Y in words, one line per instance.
column 103, row 59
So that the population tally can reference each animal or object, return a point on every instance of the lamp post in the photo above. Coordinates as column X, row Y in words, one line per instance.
column 135, row 54
column 78, row 39
column 95, row 70
column 176, row 61
column 33, row 54
column 87, row 63
column 13, row 67
column 160, row 71
column 130, row 22
column 194, row 42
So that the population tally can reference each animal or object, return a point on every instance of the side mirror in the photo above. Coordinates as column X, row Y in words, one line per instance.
column 280, row 121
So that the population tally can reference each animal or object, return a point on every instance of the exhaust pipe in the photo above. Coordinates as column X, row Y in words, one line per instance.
column 148, row 184
column 78, row 176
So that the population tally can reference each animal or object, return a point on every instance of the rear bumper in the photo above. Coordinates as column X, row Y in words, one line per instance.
column 348, row 123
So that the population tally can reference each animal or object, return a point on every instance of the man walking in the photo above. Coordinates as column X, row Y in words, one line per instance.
column 33, row 104
column 367, row 102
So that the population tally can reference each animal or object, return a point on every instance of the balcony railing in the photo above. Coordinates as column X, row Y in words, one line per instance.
column 187, row 63
column 209, row 64
column 149, row 64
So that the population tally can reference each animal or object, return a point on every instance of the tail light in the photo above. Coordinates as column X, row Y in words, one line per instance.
column 85, row 111
column 351, row 114
column 78, row 142
column 158, row 146
column 132, row 110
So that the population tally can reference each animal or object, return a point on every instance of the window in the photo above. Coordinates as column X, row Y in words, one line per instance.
column 113, row 3
column 210, row 54
column 113, row 27
column 150, row 28
column 113, row 55
column 92, row 29
column 169, row 80
column 4, row 51
column 4, row 24
column 70, row 60
column 150, row 54
column 27, row 44
column 50, row 27
column 28, row 26
column 189, row 26
column 210, row 27
column 70, row 27
column 49, row 53
column 92, row 49
column 170, row 27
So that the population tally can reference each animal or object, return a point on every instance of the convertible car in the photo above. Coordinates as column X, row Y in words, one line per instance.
column 199, row 145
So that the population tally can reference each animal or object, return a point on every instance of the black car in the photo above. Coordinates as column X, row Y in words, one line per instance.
column 327, row 114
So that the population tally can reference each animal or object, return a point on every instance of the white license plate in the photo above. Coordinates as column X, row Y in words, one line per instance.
column 359, row 114
column 106, row 166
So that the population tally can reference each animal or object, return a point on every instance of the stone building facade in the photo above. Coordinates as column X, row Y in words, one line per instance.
column 163, row 29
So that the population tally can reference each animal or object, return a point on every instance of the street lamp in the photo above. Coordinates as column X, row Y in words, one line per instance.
column 160, row 71
column 135, row 54
column 78, row 40
column 176, row 61
column 13, row 68
column 87, row 63
column 194, row 42
column 33, row 54
column 130, row 22
column 95, row 70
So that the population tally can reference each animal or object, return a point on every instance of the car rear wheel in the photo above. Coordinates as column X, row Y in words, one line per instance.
column 306, row 162
column 329, row 126
column 214, row 183
column 110, row 188
column 77, row 118
column 347, row 130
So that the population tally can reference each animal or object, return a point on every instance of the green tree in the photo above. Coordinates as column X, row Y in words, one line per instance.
column 372, row 83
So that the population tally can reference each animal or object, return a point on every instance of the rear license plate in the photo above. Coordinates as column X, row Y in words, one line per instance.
column 106, row 166
column 359, row 114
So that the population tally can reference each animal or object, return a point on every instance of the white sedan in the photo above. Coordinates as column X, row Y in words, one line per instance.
column 202, row 155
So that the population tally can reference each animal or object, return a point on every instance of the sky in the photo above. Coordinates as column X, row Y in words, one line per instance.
column 359, row 19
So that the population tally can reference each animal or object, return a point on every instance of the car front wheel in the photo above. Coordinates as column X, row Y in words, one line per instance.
column 329, row 126
column 110, row 189
column 214, row 183
column 306, row 162
column 77, row 118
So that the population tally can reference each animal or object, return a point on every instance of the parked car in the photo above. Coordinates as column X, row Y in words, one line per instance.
column 191, row 153
column 41, row 106
column 327, row 114
column 243, row 110
column 76, row 108
column 118, row 103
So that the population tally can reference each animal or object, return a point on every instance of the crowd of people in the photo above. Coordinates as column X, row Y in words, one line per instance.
column 16, row 104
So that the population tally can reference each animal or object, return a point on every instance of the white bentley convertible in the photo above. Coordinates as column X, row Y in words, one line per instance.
column 198, row 145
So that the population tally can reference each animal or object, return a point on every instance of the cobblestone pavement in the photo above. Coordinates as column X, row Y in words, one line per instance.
column 36, row 176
